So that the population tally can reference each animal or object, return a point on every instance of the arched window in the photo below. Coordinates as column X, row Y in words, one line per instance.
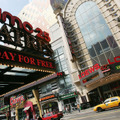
column 95, row 31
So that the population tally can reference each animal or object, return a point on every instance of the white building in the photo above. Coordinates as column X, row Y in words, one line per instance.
column 92, row 29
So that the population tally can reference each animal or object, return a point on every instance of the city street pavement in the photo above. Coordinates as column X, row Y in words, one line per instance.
column 89, row 114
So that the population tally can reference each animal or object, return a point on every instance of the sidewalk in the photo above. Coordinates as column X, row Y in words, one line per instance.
column 74, row 113
column 81, row 112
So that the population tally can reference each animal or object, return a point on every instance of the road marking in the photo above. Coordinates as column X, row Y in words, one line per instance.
column 95, row 115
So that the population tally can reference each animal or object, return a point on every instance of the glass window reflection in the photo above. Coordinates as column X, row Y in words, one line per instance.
column 98, row 48
column 81, row 9
column 95, row 10
column 111, row 41
column 87, row 38
column 84, row 30
column 104, row 45
column 92, row 51
column 80, row 22
column 85, row 17
column 95, row 31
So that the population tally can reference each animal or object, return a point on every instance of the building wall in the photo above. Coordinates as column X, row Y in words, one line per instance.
column 59, row 48
column 110, row 12
column 69, row 16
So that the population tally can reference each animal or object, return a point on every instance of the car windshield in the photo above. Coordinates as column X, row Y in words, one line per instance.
column 106, row 101
column 114, row 99
column 47, row 114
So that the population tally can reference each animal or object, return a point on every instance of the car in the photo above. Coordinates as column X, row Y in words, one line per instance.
column 108, row 103
column 52, row 116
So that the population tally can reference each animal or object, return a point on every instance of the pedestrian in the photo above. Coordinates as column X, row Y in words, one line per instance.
column 64, row 109
column 78, row 107
column 69, row 109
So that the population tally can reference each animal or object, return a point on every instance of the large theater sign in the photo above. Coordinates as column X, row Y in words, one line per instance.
column 22, row 47
column 33, row 49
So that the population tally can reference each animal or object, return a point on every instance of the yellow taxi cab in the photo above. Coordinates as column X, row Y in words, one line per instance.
column 108, row 103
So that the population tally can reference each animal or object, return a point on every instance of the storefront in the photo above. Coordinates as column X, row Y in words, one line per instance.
column 49, row 103
column 50, row 107
column 69, row 100
column 105, row 87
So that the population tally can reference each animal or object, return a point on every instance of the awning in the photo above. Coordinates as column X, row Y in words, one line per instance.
column 26, row 108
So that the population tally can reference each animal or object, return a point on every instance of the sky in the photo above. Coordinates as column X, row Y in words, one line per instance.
column 13, row 6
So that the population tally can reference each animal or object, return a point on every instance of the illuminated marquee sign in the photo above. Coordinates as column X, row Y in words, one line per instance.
column 104, row 68
column 22, row 36
column 16, row 100
column 17, row 58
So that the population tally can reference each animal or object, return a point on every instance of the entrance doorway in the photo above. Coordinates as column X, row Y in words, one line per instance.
column 94, row 97
column 50, row 107
column 112, row 93
column 111, row 89
column 71, row 103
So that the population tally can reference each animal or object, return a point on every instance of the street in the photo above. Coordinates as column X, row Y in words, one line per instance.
column 89, row 114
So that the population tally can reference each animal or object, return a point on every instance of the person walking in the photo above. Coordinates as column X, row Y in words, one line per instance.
column 78, row 107
column 69, row 108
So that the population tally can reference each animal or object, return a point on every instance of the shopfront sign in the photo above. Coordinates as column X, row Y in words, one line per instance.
column 117, row 67
column 21, row 34
column 67, row 96
column 17, row 100
column 47, row 97
column 96, row 67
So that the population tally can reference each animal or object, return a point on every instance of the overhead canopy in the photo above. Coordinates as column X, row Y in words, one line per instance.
column 14, row 77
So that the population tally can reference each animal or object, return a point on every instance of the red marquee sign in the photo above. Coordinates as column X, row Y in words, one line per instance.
column 22, row 36
column 26, row 26
column 13, row 57
column 97, row 66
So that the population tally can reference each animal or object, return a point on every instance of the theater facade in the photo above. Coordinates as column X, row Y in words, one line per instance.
column 25, row 63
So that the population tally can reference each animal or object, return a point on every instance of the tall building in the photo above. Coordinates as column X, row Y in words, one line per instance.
column 92, row 32
column 40, row 14
column 67, row 91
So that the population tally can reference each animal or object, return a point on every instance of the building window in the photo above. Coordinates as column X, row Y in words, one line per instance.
column 46, row 88
column 68, row 81
column 95, row 31
column 60, row 60
column 62, row 83
column 61, row 66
